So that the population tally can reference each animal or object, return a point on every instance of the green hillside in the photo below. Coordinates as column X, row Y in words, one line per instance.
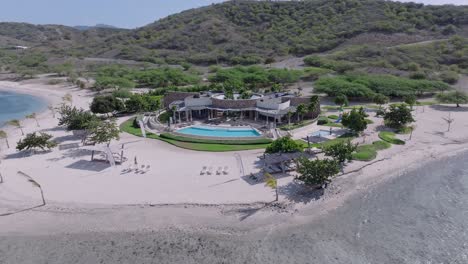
column 246, row 32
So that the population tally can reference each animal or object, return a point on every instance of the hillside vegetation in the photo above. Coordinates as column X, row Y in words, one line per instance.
column 246, row 32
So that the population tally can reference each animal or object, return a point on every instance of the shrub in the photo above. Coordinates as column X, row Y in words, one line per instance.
column 323, row 120
column 456, row 97
column 34, row 141
column 284, row 145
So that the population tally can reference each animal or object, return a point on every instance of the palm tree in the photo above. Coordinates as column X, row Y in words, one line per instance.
column 33, row 116
column 16, row 123
column 314, row 102
column 4, row 135
column 271, row 182
column 300, row 111
column 52, row 109
column 289, row 118
column 68, row 98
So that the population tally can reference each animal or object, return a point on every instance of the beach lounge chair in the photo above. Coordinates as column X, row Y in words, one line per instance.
column 219, row 170
column 210, row 171
column 203, row 171
column 225, row 170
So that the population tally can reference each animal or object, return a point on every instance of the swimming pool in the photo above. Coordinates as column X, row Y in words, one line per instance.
column 224, row 132
column 320, row 133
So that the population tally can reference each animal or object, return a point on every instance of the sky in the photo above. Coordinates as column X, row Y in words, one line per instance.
column 120, row 13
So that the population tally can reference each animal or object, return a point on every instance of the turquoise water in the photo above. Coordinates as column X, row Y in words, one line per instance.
column 17, row 106
column 320, row 133
column 219, row 132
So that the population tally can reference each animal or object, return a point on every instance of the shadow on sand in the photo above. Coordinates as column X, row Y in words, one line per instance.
column 87, row 165
column 299, row 193
column 448, row 108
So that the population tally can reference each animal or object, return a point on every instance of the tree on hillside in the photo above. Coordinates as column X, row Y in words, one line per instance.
column 283, row 145
column 301, row 111
column 410, row 99
column 316, row 172
column 33, row 116
column 398, row 116
column 341, row 151
column 106, row 105
column 455, row 97
column 380, row 100
column 33, row 141
column 16, row 123
column 355, row 120
column 4, row 135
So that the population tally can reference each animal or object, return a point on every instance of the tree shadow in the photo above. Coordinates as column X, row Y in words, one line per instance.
column 89, row 165
column 74, row 154
column 62, row 139
column 248, row 211
column 26, row 153
column 22, row 210
column 300, row 193
column 447, row 108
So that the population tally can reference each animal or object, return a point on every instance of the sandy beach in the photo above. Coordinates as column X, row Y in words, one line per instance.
column 83, row 197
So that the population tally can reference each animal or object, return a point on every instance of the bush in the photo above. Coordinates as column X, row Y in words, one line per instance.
column 284, row 145
column 323, row 120
column 34, row 141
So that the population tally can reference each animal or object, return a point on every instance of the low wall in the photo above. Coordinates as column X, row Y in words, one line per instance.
column 170, row 97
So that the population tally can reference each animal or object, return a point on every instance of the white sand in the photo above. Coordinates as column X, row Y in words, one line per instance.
column 68, row 177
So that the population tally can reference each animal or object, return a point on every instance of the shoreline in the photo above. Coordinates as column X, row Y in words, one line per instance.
column 43, row 100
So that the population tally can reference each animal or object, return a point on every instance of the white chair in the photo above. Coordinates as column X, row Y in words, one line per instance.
column 225, row 170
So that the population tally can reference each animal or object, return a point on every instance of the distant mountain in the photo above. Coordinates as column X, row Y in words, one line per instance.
column 83, row 28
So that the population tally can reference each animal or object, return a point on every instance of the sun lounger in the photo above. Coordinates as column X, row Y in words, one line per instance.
column 219, row 170
column 210, row 171
column 203, row 171
column 225, row 170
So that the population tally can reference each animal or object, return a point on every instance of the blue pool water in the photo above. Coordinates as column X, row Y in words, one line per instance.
column 17, row 106
column 320, row 133
column 219, row 131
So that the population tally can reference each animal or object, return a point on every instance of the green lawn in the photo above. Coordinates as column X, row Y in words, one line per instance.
column 342, row 138
column 127, row 127
column 369, row 152
column 296, row 125
column 390, row 138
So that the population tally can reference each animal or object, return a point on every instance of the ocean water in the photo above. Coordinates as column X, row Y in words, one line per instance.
column 17, row 106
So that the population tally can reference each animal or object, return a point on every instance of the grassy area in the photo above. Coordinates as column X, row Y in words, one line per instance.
column 296, row 125
column 369, row 121
column 213, row 141
column 405, row 130
column 335, row 117
column 390, row 138
column 128, row 127
column 342, row 138
column 369, row 152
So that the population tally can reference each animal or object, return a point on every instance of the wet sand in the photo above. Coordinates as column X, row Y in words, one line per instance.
column 418, row 217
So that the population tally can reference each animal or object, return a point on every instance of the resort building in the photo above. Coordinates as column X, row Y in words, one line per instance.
column 270, row 108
